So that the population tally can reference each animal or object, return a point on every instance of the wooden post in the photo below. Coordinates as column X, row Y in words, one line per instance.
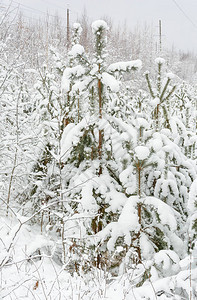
column 160, row 35
column 47, row 42
column 68, row 28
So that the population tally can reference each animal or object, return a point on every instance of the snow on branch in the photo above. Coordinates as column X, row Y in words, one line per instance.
column 125, row 66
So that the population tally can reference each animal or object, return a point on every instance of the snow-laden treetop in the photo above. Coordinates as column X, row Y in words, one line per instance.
column 77, row 26
column 160, row 60
column 96, row 25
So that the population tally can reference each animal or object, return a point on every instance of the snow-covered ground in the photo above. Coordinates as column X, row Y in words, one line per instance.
column 29, row 271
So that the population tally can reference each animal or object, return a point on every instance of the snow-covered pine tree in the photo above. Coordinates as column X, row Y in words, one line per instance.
column 178, row 172
column 183, row 120
column 46, row 124
column 145, row 223
column 161, row 95
column 161, row 187
column 91, row 152
column 175, row 171
column 76, row 67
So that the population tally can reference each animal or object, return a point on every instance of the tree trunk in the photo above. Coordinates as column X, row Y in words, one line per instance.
column 100, row 117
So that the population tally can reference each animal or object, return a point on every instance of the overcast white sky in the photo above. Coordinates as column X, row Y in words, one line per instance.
column 179, row 24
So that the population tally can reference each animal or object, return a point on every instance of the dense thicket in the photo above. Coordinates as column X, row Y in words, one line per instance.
column 98, row 154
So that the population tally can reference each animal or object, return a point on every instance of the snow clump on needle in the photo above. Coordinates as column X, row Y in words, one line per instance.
column 76, row 50
column 111, row 82
column 142, row 152
column 77, row 26
column 141, row 122
column 160, row 60
column 170, row 75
